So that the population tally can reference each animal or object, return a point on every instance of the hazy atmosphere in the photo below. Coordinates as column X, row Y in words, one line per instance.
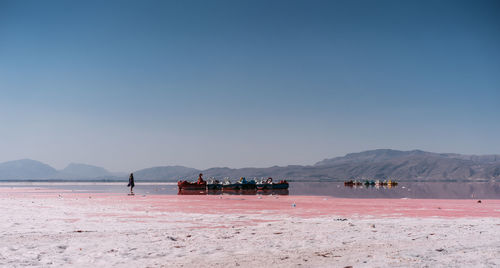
column 134, row 84
column 250, row 133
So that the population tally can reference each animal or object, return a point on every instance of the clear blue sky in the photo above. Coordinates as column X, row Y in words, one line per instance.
column 134, row 84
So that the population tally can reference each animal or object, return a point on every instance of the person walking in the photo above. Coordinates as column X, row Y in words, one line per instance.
column 131, row 183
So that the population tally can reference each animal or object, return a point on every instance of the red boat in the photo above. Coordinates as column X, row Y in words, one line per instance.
column 185, row 185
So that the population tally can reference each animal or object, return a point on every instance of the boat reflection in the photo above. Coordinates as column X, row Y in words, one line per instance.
column 234, row 192
column 377, row 186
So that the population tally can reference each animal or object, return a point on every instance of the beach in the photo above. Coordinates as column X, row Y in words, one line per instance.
column 56, row 228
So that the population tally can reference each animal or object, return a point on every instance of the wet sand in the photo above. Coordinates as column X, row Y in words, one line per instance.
column 45, row 227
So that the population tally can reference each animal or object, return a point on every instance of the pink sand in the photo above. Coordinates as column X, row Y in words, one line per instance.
column 305, row 206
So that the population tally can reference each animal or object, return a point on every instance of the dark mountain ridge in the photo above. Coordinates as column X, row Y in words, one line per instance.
column 379, row 164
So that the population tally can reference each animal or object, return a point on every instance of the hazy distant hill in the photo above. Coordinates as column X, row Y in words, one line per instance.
column 382, row 163
column 79, row 171
column 411, row 165
column 381, row 155
column 166, row 173
column 25, row 169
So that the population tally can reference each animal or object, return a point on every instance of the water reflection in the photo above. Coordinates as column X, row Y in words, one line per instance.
column 414, row 190
column 376, row 186
column 234, row 192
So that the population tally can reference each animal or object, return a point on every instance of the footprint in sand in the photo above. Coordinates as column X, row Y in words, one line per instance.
column 62, row 248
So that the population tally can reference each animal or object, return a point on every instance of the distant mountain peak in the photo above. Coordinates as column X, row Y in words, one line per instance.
column 166, row 173
column 26, row 169
column 78, row 170
column 23, row 161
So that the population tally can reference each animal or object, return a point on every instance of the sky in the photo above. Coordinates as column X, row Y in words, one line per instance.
column 134, row 84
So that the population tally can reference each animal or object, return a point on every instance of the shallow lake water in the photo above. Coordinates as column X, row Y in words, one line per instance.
column 432, row 190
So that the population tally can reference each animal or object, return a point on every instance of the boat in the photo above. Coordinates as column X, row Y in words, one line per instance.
column 283, row 184
column 392, row 183
column 265, row 184
column 369, row 183
column 349, row 183
column 243, row 184
column 214, row 184
column 376, row 183
column 186, row 185
column 228, row 185
column 269, row 184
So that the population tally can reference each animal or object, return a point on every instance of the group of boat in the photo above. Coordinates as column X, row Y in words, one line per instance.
column 377, row 183
column 227, row 185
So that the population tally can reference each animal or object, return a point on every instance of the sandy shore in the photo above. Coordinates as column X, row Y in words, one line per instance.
column 42, row 227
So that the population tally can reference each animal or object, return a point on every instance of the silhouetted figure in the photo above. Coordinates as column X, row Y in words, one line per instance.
column 131, row 183
column 200, row 179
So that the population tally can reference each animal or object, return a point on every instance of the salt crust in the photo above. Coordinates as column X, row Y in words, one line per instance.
column 49, row 229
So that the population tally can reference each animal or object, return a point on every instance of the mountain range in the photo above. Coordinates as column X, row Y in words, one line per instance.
column 381, row 163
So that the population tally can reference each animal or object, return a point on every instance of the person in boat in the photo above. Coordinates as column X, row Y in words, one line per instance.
column 200, row 179
column 131, row 183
